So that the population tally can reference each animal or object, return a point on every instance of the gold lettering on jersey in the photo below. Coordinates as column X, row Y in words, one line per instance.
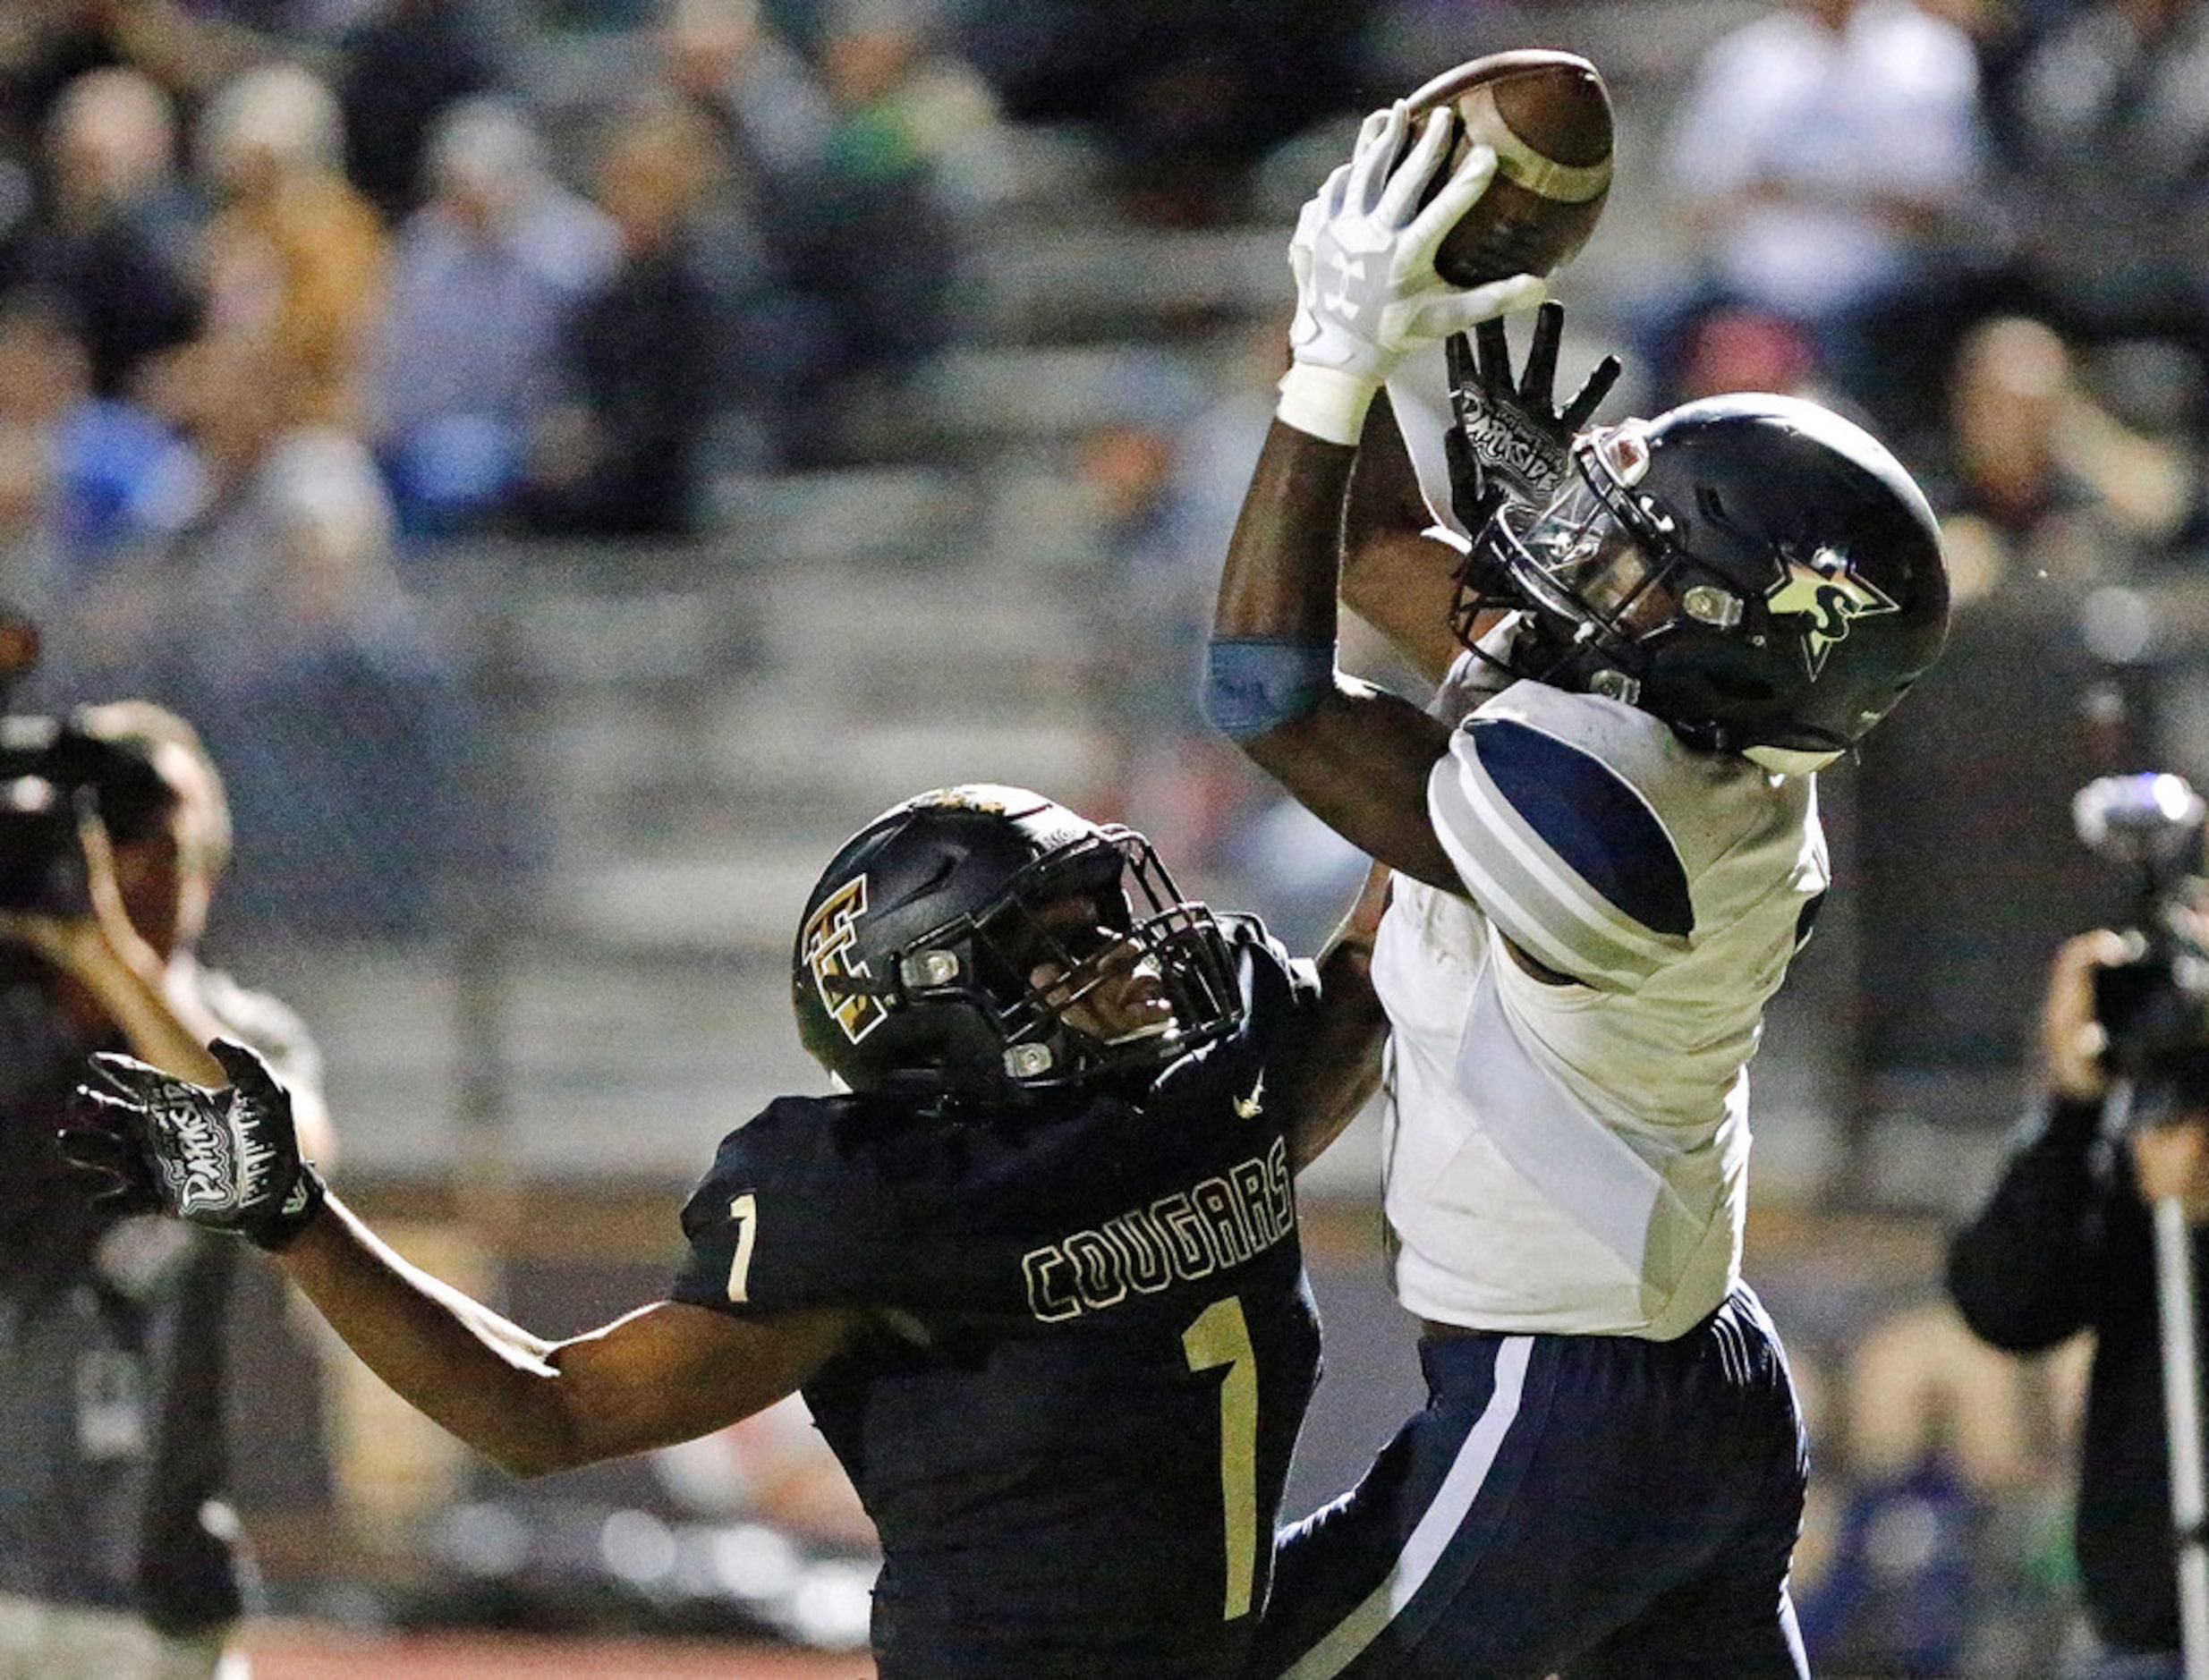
column 825, row 943
column 1257, row 1191
column 1143, row 1254
column 1098, row 1275
column 1191, row 1249
column 1213, row 1225
column 1226, row 1219
column 1828, row 592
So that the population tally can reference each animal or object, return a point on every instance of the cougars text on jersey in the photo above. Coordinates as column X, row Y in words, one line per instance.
column 1214, row 1224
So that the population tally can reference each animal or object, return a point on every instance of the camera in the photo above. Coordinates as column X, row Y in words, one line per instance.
column 2153, row 1007
column 51, row 776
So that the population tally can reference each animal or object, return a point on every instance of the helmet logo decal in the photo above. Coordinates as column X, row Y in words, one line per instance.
column 1624, row 451
column 1830, row 593
column 828, row 935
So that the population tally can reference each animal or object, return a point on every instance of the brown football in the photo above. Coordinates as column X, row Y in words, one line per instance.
column 1548, row 115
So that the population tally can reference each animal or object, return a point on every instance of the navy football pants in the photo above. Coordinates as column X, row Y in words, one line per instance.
column 1588, row 1506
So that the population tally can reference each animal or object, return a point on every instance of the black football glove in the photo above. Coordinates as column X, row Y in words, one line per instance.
column 1510, row 440
column 224, row 1158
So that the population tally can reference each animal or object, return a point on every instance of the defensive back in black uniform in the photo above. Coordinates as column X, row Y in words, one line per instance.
column 1034, row 1266
column 1089, row 1343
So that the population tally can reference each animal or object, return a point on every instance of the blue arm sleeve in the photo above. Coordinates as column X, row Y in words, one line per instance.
column 1253, row 683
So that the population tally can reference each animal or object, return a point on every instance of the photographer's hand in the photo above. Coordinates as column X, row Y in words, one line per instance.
column 2071, row 1040
column 2170, row 1160
column 125, row 979
column 100, row 937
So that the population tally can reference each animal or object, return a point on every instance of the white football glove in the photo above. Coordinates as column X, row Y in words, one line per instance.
column 1364, row 253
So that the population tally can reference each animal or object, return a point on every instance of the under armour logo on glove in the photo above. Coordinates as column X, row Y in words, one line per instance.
column 1363, row 250
column 1343, row 297
column 224, row 1158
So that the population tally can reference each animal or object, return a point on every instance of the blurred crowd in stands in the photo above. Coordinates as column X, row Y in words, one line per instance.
column 292, row 290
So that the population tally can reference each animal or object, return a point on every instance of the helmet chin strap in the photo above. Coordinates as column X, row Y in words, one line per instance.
column 1789, row 761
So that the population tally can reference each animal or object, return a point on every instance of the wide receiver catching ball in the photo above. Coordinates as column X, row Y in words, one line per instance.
column 1548, row 116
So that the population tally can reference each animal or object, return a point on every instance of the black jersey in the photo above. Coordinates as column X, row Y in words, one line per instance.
column 1095, row 1346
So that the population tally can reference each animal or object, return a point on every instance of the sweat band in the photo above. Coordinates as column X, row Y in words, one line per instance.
column 1253, row 683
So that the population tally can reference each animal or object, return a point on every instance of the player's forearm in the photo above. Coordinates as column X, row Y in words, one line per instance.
column 1396, row 577
column 1339, row 1069
column 487, row 1380
column 1355, row 756
column 1360, row 763
column 1283, row 561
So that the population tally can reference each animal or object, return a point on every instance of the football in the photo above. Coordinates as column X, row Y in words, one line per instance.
column 1548, row 115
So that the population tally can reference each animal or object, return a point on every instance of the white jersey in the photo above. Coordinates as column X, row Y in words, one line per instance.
column 1573, row 1157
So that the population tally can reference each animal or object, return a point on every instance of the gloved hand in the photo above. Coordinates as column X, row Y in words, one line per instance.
column 1510, row 439
column 1363, row 253
column 224, row 1158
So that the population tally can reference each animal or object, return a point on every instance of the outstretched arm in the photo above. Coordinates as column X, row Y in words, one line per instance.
column 1355, row 755
column 664, row 1373
column 226, row 1158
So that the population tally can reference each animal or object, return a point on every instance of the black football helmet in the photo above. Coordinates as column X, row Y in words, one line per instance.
column 912, row 969
column 1757, row 571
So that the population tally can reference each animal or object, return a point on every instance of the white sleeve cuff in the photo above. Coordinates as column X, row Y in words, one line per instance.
column 1326, row 403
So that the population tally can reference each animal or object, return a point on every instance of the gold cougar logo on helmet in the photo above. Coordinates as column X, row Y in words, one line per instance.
column 824, row 945
column 1828, row 592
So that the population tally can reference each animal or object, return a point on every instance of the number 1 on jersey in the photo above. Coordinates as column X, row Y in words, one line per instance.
column 1221, row 1336
column 743, row 1213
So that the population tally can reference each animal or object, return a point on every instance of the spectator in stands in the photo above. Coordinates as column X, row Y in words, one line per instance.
column 2043, row 499
column 186, row 47
column 1185, row 99
column 404, row 67
column 116, row 229
column 84, row 481
column 484, row 278
column 772, row 121
column 903, row 109
column 641, row 371
column 908, row 102
column 118, row 1558
column 2041, row 481
column 2108, row 152
column 294, row 255
column 1740, row 348
column 344, row 726
column 1829, row 159
column 850, row 170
